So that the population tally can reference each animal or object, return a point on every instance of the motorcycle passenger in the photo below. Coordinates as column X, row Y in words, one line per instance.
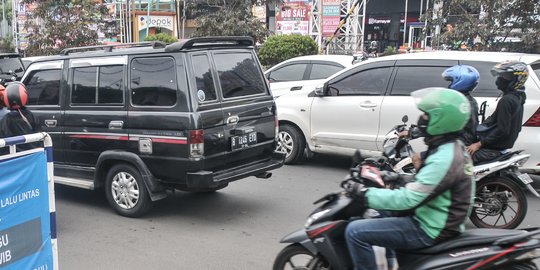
column 19, row 121
column 500, row 131
column 464, row 78
column 3, row 109
column 440, row 195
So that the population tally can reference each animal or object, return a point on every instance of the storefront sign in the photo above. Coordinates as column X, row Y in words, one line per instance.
column 156, row 21
column 292, row 18
column 259, row 12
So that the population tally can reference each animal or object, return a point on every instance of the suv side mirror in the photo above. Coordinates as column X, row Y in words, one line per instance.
column 320, row 90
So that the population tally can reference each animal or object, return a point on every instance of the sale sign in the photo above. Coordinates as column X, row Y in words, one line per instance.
column 293, row 18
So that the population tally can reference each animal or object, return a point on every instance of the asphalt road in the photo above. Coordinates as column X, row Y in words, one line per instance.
column 236, row 228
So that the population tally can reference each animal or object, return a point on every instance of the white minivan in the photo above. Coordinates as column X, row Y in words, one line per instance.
column 374, row 95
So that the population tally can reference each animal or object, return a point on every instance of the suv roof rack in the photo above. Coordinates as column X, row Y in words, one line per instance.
column 201, row 41
column 108, row 48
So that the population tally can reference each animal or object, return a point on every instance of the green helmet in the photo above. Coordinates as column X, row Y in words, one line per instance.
column 448, row 110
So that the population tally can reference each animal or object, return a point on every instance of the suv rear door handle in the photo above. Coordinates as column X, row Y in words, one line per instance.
column 50, row 123
column 116, row 124
column 233, row 119
column 294, row 88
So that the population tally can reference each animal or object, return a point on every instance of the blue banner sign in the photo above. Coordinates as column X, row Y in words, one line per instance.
column 25, row 221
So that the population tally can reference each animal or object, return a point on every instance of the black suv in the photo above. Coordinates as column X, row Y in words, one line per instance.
column 144, row 118
column 11, row 67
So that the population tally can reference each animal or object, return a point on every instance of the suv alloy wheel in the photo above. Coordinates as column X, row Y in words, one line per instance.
column 126, row 192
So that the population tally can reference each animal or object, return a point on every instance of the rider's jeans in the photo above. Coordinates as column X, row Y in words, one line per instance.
column 391, row 232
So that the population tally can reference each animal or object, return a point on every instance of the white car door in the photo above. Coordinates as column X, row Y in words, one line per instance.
column 346, row 118
column 287, row 77
column 410, row 75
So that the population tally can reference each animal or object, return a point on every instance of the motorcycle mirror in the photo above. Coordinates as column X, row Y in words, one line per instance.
column 405, row 119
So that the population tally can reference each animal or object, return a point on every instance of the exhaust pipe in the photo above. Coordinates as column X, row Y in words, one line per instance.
column 264, row 175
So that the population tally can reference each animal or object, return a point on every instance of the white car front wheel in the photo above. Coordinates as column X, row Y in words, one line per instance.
column 291, row 142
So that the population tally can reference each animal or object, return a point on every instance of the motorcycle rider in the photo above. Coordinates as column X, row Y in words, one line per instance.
column 500, row 131
column 440, row 195
column 19, row 121
column 464, row 78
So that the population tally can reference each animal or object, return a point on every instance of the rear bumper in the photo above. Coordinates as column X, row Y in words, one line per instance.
column 209, row 179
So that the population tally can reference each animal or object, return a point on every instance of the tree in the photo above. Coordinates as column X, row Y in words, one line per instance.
column 228, row 18
column 488, row 24
column 282, row 47
column 55, row 25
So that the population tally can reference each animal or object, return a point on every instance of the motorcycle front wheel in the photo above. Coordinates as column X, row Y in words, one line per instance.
column 499, row 203
column 297, row 257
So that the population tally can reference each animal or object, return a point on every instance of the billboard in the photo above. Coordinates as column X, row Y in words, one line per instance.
column 293, row 18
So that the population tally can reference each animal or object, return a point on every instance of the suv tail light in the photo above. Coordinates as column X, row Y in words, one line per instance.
column 534, row 121
column 196, row 143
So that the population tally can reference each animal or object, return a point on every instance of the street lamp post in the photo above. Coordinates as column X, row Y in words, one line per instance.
column 405, row 22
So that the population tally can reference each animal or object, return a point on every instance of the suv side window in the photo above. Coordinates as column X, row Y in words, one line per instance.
column 153, row 81
column 411, row 78
column 239, row 75
column 370, row 82
column 97, row 85
column 206, row 91
column 294, row 72
column 323, row 71
column 43, row 87
column 486, row 86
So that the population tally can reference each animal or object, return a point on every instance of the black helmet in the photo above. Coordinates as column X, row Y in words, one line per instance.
column 510, row 74
column 15, row 96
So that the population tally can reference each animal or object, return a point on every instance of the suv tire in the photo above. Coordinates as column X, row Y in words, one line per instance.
column 126, row 191
column 291, row 141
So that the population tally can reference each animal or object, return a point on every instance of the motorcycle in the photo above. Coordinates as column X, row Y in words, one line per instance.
column 500, row 200
column 321, row 245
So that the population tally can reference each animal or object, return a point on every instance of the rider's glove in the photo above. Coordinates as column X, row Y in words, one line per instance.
column 357, row 191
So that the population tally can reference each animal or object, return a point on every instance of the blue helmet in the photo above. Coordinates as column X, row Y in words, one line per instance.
column 463, row 78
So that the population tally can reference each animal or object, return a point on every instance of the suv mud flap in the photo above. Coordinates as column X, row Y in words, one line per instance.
column 156, row 190
column 208, row 179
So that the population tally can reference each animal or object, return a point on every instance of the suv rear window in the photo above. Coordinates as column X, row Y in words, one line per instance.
column 98, row 85
column 153, row 81
column 239, row 75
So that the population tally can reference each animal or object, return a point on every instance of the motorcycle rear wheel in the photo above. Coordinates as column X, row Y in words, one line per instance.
column 297, row 257
column 499, row 211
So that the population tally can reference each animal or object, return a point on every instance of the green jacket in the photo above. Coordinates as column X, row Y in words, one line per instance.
column 441, row 194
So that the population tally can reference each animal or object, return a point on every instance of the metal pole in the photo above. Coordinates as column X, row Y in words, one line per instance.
column 363, row 25
column 147, row 17
column 425, row 24
column 4, row 21
column 405, row 22
column 184, row 19
column 15, row 38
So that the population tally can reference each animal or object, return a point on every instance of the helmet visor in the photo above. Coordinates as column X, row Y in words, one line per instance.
column 418, row 95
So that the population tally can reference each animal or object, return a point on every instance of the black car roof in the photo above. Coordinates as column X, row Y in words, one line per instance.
column 153, row 47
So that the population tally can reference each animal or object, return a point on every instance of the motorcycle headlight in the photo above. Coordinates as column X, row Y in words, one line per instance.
column 315, row 216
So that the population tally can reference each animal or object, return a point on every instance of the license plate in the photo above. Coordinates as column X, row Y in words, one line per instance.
column 525, row 178
column 243, row 141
